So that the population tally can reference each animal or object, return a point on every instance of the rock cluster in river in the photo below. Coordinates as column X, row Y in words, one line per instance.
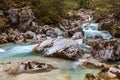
column 29, row 67
column 108, row 73
column 58, row 47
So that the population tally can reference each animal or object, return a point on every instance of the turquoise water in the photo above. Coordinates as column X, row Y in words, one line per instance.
column 91, row 30
column 16, row 50
column 22, row 51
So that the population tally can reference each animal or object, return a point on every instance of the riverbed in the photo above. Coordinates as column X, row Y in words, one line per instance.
column 15, row 53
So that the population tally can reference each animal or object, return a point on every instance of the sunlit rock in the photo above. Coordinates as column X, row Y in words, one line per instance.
column 111, row 73
column 91, row 76
column 64, row 48
column 88, row 63
column 29, row 67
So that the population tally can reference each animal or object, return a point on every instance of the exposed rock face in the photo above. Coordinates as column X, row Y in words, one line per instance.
column 13, row 16
column 64, row 48
column 107, row 50
column 29, row 66
column 21, row 18
column 26, row 17
column 111, row 73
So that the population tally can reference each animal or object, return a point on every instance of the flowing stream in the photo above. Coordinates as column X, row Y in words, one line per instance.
column 24, row 51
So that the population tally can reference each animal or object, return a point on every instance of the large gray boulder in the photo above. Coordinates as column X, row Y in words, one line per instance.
column 64, row 48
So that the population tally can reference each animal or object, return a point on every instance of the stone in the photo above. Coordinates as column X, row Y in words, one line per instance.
column 107, row 50
column 13, row 16
column 64, row 48
column 22, row 18
column 88, row 63
column 111, row 73
column 91, row 76
column 77, row 35
column 3, row 38
column 29, row 67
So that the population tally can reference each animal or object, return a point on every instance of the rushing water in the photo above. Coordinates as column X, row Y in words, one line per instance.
column 16, row 50
column 22, row 51
column 91, row 30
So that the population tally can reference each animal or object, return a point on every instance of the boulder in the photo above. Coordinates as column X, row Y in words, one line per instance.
column 73, row 30
column 91, row 76
column 22, row 18
column 26, row 16
column 111, row 73
column 88, row 63
column 64, row 48
column 107, row 50
column 3, row 38
column 29, row 67
column 77, row 35
column 13, row 16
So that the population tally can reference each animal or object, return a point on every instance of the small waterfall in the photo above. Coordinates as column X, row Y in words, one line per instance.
column 91, row 30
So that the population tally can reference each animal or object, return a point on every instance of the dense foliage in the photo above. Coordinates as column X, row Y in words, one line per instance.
column 51, row 11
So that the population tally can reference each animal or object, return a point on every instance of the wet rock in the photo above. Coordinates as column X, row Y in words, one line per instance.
column 91, row 76
column 111, row 73
column 89, row 63
column 107, row 50
column 77, row 35
column 29, row 67
column 64, row 48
